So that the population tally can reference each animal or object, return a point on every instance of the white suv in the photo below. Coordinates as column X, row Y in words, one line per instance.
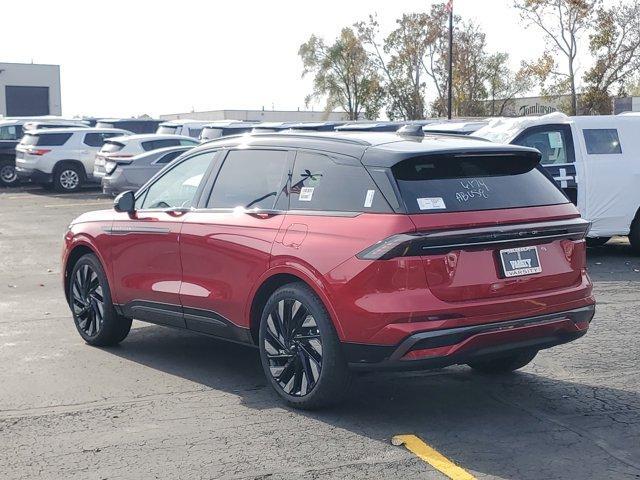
column 61, row 158
column 117, row 149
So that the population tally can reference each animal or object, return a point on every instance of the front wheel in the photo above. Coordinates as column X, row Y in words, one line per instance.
column 95, row 317
column 504, row 364
column 300, row 351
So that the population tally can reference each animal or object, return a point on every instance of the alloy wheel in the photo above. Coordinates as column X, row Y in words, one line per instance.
column 87, row 300
column 293, row 347
column 8, row 174
column 69, row 179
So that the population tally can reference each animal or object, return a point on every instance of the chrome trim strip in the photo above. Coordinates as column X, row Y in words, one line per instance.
column 126, row 230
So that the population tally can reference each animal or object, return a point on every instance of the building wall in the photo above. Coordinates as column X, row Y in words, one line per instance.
column 626, row 104
column 259, row 115
column 31, row 75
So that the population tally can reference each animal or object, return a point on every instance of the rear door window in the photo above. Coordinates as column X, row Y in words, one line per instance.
column 321, row 184
column 446, row 183
column 250, row 179
column 603, row 141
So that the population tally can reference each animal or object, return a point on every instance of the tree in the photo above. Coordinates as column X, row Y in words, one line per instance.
column 562, row 22
column 399, row 59
column 343, row 74
column 503, row 85
column 615, row 46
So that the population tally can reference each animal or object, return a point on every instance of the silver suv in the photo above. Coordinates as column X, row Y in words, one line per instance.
column 61, row 158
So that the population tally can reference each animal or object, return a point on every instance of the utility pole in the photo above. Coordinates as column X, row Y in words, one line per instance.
column 449, row 8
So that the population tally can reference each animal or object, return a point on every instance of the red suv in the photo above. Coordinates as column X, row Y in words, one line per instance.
column 335, row 252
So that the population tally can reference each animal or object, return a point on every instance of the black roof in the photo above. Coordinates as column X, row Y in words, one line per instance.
column 381, row 149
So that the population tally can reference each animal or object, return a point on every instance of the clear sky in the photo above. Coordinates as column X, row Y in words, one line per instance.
column 125, row 58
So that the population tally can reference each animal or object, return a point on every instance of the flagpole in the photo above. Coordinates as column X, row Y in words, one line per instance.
column 450, row 82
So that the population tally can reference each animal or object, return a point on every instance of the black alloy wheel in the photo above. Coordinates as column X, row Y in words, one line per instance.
column 300, row 350
column 87, row 300
column 293, row 347
column 94, row 314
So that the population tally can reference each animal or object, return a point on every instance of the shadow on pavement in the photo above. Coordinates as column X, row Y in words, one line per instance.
column 517, row 426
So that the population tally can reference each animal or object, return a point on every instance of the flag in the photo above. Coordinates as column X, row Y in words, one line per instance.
column 449, row 6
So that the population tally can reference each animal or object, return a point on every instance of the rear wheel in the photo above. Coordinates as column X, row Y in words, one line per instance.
column 90, row 300
column 8, row 175
column 300, row 351
column 67, row 177
column 504, row 364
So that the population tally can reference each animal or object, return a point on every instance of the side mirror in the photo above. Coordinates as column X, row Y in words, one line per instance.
column 125, row 202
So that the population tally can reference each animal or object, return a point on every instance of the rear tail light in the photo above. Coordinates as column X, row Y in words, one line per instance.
column 110, row 166
column 426, row 243
column 39, row 151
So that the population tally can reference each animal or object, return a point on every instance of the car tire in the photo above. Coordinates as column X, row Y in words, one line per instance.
column 94, row 315
column 505, row 364
column 634, row 235
column 300, row 352
column 597, row 241
column 67, row 178
column 8, row 175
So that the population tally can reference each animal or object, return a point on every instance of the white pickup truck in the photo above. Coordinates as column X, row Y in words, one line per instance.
column 595, row 160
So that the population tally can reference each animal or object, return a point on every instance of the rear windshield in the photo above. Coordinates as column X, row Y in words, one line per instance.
column 209, row 133
column 460, row 183
column 110, row 147
column 46, row 139
column 167, row 129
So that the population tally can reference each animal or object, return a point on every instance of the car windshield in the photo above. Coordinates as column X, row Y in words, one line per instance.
column 167, row 129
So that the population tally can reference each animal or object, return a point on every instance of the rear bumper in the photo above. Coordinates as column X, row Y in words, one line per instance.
column 461, row 345
column 36, row 176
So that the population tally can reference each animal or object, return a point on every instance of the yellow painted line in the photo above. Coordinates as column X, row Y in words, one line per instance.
column 432, row 457
column 78, row 204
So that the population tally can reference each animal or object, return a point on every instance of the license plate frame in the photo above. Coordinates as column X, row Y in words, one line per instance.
column 520, row 261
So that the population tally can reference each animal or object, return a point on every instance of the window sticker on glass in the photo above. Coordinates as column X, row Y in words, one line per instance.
column 431, row 203
column 368, row 200
column 555, row 139
column 306, row 194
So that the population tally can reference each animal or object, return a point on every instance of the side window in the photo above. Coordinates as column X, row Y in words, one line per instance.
column 156, row 144
column 321, row 184
column 250, row 179
column 602, row 141
column 178, row 186
column 9, row 132
column 53, row 139
column 551, row 143
column 94, row 139
column 168, row 157
column 188, row 143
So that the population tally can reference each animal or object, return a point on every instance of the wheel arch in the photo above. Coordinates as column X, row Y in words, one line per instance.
column 275, row 279
column 77, row 252
column 60, row 163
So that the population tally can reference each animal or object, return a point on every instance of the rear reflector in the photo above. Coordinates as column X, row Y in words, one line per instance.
column 39, row 151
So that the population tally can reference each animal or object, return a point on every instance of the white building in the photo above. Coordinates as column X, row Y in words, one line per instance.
column 28, row 89
column 260, row 115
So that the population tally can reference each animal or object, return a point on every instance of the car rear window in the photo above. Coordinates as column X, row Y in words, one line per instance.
column 466, row 182
column 156, row 144
column 110, row 146
column 46, row 139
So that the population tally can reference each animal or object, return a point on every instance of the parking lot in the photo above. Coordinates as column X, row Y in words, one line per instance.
column 170, row 404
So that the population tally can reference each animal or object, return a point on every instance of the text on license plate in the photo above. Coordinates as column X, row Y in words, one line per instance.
column 520, row 261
